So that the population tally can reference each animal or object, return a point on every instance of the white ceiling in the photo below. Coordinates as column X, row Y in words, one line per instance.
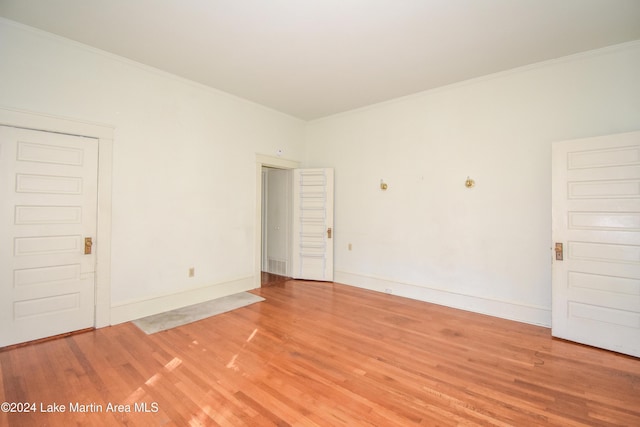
column 313, row 58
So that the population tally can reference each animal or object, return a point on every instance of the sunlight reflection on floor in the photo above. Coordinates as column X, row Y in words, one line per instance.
column 232, row 363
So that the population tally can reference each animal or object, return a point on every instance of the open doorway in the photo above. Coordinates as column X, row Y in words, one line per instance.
column 275, row 263
column 301, row 200
column 273, row 219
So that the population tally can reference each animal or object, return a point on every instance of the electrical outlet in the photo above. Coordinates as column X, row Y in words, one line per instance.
column 192, row 271
column 388, row 291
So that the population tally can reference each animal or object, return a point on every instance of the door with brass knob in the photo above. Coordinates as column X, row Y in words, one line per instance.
column 312, row 240
column 49, row 207
column 595, row 212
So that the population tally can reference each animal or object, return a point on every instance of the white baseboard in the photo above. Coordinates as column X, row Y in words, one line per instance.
column 534, row 315
column 147, row 307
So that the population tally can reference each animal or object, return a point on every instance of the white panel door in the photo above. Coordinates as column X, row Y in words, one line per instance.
column 596, row 217
column 48, row 188
column 313, row 224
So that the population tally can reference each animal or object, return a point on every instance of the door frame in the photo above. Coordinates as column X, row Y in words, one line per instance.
column 271, row 162
column 104, row 134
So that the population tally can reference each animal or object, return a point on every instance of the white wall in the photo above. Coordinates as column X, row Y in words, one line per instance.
column 485, row 249
column 183, row 164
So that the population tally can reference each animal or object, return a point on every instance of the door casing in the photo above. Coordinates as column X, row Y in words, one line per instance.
column 272, row 162
column 104, row 135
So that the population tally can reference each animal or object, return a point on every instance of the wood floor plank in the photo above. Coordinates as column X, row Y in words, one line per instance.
column 324, row 354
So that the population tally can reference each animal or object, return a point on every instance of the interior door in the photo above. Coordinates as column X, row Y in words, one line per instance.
column 48, row 188
column 596, row 219
column 313, row 224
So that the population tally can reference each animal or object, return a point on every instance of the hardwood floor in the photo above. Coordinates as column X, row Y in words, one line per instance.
column 323, row 354
column 270, row 279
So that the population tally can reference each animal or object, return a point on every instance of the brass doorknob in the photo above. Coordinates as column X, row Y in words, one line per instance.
column 88, row 243
column 559, row 251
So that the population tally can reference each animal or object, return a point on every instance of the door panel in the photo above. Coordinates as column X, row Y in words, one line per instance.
column 313, row 224
column 49, row 194
column 596, row 216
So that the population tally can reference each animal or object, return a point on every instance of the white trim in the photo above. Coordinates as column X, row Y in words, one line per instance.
column 274, row 162
column 104, row 134
column 59, row 124
column 132, row 310
column 525, row 313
